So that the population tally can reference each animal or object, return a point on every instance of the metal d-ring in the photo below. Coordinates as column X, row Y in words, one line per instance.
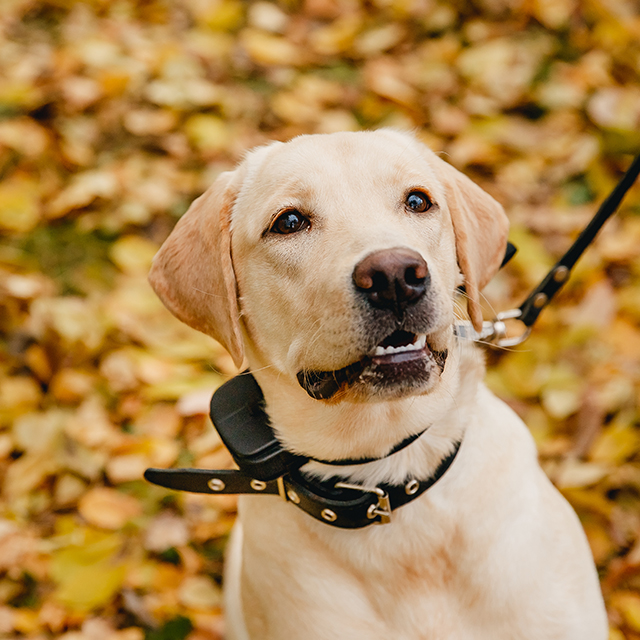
column 493, row 331
column 500, row 329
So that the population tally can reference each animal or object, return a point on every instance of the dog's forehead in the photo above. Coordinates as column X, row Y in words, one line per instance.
column 335, row 165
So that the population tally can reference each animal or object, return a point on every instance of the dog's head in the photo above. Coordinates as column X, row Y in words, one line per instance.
column 334, row 258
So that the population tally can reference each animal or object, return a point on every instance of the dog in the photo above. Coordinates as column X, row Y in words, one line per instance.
column 337, row 258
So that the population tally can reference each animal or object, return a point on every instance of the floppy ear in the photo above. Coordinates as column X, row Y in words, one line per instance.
column 193, row 272
column 480, row 226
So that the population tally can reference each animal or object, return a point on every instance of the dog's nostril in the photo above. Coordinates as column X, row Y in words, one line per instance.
column 379, row 282
column 416, row 275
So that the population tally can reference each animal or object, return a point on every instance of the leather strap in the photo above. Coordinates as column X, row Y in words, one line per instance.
column 530, row 309
column 346, row 506
column 346, row 462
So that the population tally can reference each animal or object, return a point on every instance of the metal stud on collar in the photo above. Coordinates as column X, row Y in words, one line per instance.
column 411, row 487
column 215, row 484
column 329, row 515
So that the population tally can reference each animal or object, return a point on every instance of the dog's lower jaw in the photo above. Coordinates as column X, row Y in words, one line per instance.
column 359, row 427
column 378, row 377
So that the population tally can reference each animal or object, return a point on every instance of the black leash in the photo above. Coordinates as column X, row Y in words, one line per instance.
column 530, row 309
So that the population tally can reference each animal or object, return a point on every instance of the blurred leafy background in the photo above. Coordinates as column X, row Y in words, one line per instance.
column 115, row 114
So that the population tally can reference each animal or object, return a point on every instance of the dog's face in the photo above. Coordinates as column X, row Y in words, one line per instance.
column 334, row 259
column 345, row 265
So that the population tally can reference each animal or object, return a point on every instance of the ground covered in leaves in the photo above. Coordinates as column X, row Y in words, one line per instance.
column 114, row 115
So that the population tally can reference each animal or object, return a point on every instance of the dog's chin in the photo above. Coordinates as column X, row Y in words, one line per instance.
column 404, row 364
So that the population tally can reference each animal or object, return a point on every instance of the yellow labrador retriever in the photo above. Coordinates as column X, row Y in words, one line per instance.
column 330, row 264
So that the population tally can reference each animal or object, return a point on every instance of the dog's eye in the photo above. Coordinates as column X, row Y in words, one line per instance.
column 418, row 202
column 290, row 221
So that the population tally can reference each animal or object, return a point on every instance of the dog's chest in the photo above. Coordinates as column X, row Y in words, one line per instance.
column 406, row 577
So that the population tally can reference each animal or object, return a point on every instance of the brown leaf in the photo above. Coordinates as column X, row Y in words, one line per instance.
column 107, row 508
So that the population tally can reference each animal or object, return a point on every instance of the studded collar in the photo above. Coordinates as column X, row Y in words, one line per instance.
column 266, row 467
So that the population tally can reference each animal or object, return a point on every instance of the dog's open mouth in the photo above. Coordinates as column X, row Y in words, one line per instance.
column 400, row 358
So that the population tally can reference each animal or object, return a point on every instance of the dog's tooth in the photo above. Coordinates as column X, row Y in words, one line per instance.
column 418, row 344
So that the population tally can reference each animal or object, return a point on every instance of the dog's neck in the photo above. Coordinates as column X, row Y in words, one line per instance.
column 333, row 431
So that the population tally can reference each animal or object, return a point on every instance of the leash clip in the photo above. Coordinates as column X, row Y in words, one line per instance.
column 495, row 331
column 382, row 509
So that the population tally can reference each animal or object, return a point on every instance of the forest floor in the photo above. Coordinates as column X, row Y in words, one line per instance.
column 115, row 115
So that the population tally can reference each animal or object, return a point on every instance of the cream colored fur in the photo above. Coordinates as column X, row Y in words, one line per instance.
column 492, row 551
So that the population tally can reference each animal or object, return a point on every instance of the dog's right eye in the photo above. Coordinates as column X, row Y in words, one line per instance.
column 290, row 221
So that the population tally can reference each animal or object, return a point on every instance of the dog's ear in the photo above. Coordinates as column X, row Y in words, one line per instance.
column 193, row 272
column 480, row 226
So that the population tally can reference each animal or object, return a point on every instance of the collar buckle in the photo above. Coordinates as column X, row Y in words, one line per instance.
column 381, row 509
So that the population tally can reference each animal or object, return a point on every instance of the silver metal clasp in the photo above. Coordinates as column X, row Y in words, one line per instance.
column 499, row 337
column 382, row 509
column 494, row 331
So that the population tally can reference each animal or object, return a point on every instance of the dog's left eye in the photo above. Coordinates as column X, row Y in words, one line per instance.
column 418, row 202
column 290, row 221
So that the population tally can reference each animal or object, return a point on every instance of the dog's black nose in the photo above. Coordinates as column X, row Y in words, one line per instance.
column 392, row 278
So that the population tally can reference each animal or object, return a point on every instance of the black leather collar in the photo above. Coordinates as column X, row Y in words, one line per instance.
column 333, row 501
column 238, row 414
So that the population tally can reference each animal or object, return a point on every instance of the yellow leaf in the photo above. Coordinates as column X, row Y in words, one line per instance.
column 25, row 136
column 26, row 621
column 126, row 468
column 266, row 48
column 224, row 15
column 337, row 37
column 386, row 78
column 89, row 574
column 616, row 108
column 199, row 592
column 19, row 204
column 575, row 474
column 207, row 132
column 628, row 604
column 82, row 191
column 553, row 13
column 28, row 472
column 166, row 530
column 144, row 122
column 133, row 254
column 268, row 17
column 378, row 40
column 17, row 395
column 71, row 385
column 617, row 441
column 37, row 432
column 69, row 488
column 599, row 540
column 74, row 319
column 616, row 634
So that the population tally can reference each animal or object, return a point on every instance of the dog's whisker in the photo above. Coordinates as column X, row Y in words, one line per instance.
column 208, row 293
